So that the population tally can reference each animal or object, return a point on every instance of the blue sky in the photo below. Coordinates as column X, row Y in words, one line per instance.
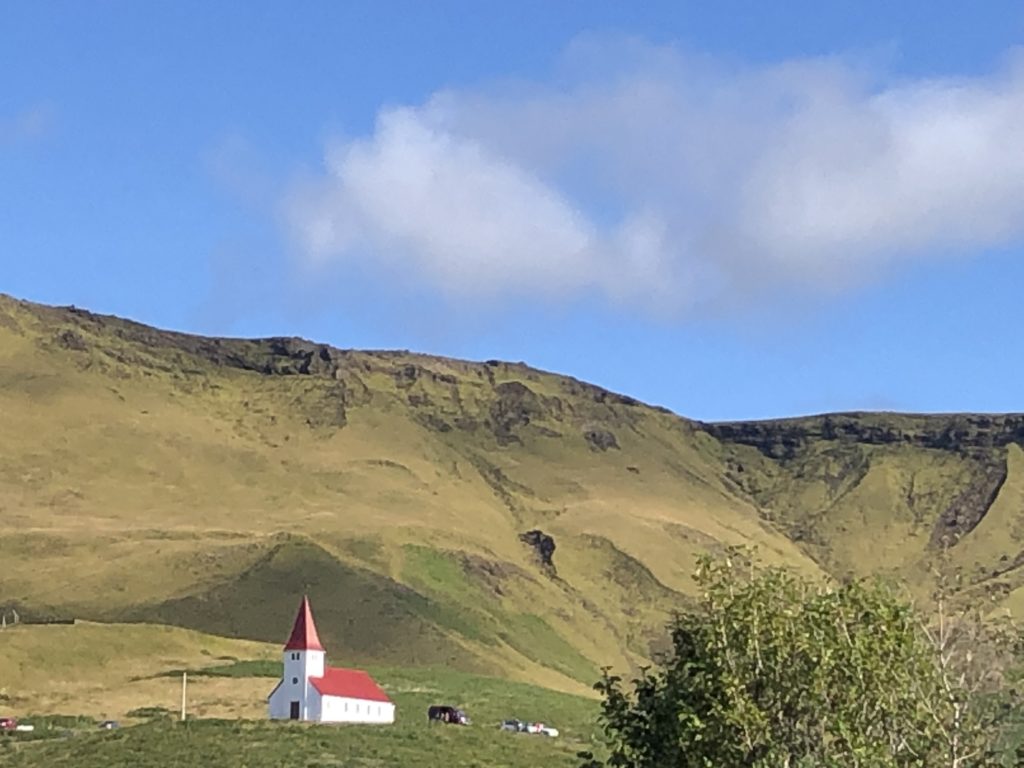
column 733, row 209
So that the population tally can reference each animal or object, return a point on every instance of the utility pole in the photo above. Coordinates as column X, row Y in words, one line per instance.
column 184, row 685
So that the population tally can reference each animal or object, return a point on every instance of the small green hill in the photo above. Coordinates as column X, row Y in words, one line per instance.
column 484, row 516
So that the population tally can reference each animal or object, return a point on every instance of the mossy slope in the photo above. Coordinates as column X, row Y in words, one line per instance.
column 207, row 482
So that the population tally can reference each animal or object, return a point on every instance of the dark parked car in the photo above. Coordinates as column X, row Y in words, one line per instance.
column 447, row 714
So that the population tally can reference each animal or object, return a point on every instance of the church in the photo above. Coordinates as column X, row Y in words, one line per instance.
column 313, row 692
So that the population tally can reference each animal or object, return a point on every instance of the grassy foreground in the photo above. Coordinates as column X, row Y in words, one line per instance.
column 64, row 679
column 411, row 741
column 222, row 743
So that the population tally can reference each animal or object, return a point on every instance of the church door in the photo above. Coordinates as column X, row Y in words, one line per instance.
column 295, row 711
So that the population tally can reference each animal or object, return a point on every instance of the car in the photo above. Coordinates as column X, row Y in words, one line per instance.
column 543, row 730
column 443, row 713
column 8, row 724
column 109, row 725
column 519, row 726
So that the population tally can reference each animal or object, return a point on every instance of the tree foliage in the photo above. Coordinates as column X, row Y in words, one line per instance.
column 773, row 670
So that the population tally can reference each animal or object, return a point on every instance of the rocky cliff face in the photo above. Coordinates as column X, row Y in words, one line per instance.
column 785, row 438
column 444, row 395
column 838, row 451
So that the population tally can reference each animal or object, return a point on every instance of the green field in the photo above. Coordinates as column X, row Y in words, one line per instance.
column 222, row 743
column 235, row 688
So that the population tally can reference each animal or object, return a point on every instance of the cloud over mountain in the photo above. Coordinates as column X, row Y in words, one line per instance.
column 662, row 181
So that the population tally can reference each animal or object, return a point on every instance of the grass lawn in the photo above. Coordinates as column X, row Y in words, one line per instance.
column 411, row 741
column 216, row 743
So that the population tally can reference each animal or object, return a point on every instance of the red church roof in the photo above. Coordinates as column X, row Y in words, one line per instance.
column 349, row 683
column 304, row 636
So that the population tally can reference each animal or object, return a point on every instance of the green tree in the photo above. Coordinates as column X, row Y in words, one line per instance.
column 772, row 670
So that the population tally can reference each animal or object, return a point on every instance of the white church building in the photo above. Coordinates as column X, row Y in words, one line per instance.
column 311, row 691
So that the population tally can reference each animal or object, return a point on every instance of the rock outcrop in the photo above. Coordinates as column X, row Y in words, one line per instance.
column 971, row 505
column 543, row 545
column 785, row 438
column 600, row 439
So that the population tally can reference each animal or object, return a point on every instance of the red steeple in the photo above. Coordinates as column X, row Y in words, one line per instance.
column 304, row 636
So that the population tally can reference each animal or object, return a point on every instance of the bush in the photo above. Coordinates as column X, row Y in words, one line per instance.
column 773, row 670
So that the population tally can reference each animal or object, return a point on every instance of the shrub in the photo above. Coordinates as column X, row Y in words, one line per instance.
column 774, row 670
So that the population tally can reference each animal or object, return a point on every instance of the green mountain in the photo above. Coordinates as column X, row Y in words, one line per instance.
column 484, row 516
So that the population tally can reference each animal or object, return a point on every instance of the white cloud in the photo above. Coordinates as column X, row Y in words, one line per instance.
column 468, row 217
column 475, row 222
column 661, row 181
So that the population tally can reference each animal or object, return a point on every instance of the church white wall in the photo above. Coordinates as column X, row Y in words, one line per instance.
column 278, row 703
column 314, row 705
column 302, row 664
column 299, row 666
column 315, row 663
column 338, row 709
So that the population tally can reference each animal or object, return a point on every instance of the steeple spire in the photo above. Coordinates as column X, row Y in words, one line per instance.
column 304, row 636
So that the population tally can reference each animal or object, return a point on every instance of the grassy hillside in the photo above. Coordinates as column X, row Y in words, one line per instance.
column 64, row 679
column 904, row 496
column 108, row 670
column 153, row 476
